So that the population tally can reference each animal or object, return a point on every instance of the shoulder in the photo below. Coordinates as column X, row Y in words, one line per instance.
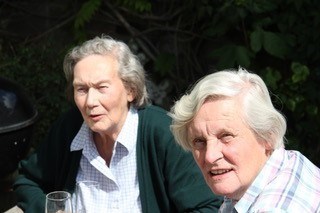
column 154, row 114
column 152, row 109
column 154, row 127
column 283, row 204
column 298, row 174
column 283, row 183
column 297, row 177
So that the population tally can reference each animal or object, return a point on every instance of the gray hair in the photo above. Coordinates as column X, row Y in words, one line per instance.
column 130, row 70
column 258, row 111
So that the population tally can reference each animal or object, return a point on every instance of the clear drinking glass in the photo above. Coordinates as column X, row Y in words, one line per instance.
column 86, row 197
column 58, row 202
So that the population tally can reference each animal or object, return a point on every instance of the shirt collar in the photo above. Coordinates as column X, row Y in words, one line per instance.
column 80, row 140
column 128, row 134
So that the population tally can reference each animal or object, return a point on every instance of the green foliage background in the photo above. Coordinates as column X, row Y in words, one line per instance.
column 179, row 42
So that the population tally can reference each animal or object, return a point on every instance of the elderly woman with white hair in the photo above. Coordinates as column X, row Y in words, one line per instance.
column 236, row 137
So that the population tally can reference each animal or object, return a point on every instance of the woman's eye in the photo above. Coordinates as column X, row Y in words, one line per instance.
column 226, row 137
column 199, row 144
column 81, row 90
column 102, row 88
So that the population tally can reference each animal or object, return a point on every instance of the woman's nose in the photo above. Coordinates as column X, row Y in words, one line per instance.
column 92, row 98
column 213, row 152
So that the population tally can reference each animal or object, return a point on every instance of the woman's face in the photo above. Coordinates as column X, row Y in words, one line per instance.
column 100, row 94
column 226, row 150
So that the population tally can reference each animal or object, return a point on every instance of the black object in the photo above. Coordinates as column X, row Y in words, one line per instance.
column 17, row 116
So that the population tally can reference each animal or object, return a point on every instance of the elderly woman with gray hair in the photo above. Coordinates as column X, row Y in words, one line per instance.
column 236, row 137
column 116, row 137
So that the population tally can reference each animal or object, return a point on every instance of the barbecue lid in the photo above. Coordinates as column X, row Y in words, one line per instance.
column 16, row 109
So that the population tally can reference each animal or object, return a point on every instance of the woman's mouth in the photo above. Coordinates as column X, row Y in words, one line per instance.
column 95, row 117
column 219, row 172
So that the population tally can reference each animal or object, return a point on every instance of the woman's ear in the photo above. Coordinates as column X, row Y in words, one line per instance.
column 130, row 95
column 268, row 147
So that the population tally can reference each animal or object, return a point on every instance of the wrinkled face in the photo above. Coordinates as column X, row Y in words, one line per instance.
column 100, row 94
column 226, row 150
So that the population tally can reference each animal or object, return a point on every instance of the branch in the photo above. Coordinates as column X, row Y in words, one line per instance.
column 131, row 30
column 52, row 29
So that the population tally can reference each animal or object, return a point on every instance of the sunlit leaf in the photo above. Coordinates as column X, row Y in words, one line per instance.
column 86, row 12
column 272, row 78
column 300, row 72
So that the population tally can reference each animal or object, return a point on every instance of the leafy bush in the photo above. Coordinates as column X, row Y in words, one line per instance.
column 183, row 40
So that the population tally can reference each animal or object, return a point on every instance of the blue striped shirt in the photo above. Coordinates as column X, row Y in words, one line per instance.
column 119, row 187
column 288, row 182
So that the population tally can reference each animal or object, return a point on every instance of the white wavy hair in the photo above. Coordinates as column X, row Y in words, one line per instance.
column 258, row 111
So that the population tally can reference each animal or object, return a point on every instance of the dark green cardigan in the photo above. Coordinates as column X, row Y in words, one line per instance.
column 169, row 179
